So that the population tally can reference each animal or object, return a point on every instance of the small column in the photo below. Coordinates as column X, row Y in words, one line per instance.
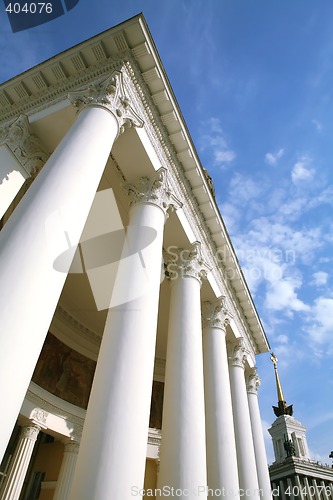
column 301, row 495
column 220, row 434
column 20, row 462
column 112, row 456
column 48, row 221
column 253, row 382
column 183, row 445
column 65, row 477
column 248, row 479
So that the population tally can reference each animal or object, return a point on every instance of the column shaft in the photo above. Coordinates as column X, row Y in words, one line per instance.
column 221, row 448
column 248, row 479
column 20, row 463
column 66, row 471
column 113, row 447
column 258, row 438
column 183, row 450
column 58, row 202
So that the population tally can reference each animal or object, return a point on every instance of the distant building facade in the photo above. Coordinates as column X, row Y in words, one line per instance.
column 128, row 334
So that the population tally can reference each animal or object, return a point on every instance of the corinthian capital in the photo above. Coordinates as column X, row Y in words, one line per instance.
column 182, row 263
column 154, row 190
column 215, row 315
column 238, row 353
column 24, row 145
column 110, row 95
column 253, row 381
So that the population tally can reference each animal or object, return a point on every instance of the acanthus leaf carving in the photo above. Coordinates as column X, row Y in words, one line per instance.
column 215, row 315
column 155, row 190
column 238, row 353
column 181, row 262
column 24, row 145
column 110, row 95
column 253, row 381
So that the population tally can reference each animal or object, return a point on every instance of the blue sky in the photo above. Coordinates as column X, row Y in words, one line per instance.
column 254, row 80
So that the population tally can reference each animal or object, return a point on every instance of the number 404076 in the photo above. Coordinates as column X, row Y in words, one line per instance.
column 29, row 8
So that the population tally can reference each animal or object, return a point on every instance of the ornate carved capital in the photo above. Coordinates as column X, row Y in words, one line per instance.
column 154, row 190
column 182, row 263
column 38, row 416
column 24, row 145
column 215, row 315
column 110, row 95
column 238, row 353
column 30, row 432
column 253, row 381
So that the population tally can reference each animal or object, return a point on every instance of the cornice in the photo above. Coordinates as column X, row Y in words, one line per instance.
column 51, row 408
column 40, row 100
column 77, row 326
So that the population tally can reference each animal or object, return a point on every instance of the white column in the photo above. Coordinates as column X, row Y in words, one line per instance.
column 51, row 214
column 66, row 472
column 220, row 434
column 253, row 381
column 247, row 471
column 113, row 447
column 183, row 447
column 20, row 462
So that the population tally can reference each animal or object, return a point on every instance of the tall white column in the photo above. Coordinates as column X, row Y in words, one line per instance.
column 66, row 472
column 247, row 471
column 220, row 434
column 113, row 447
column 48, row 220
column 253, row 382
column 20, row 462
column 183, row 447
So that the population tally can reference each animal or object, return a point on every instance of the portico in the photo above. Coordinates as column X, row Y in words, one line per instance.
column 115, row 249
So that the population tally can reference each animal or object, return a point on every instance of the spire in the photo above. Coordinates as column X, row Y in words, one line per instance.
column 282, row 408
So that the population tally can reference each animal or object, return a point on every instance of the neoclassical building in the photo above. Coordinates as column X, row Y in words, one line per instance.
column 293, row 473
column 128, row 334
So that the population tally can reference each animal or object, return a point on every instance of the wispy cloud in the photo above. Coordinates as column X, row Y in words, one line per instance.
column 317, row 124
column 321, row 325
column 273, row 158
column 215, row 144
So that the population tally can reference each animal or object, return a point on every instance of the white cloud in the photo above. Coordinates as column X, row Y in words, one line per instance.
column 322, row 323
column 320, row 278
column 223, row 156
column 300, row 173
column 244, row 188
column 281, row 296
column 273, row 158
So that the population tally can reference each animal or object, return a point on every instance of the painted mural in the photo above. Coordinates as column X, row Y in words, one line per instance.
column 64, row 372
